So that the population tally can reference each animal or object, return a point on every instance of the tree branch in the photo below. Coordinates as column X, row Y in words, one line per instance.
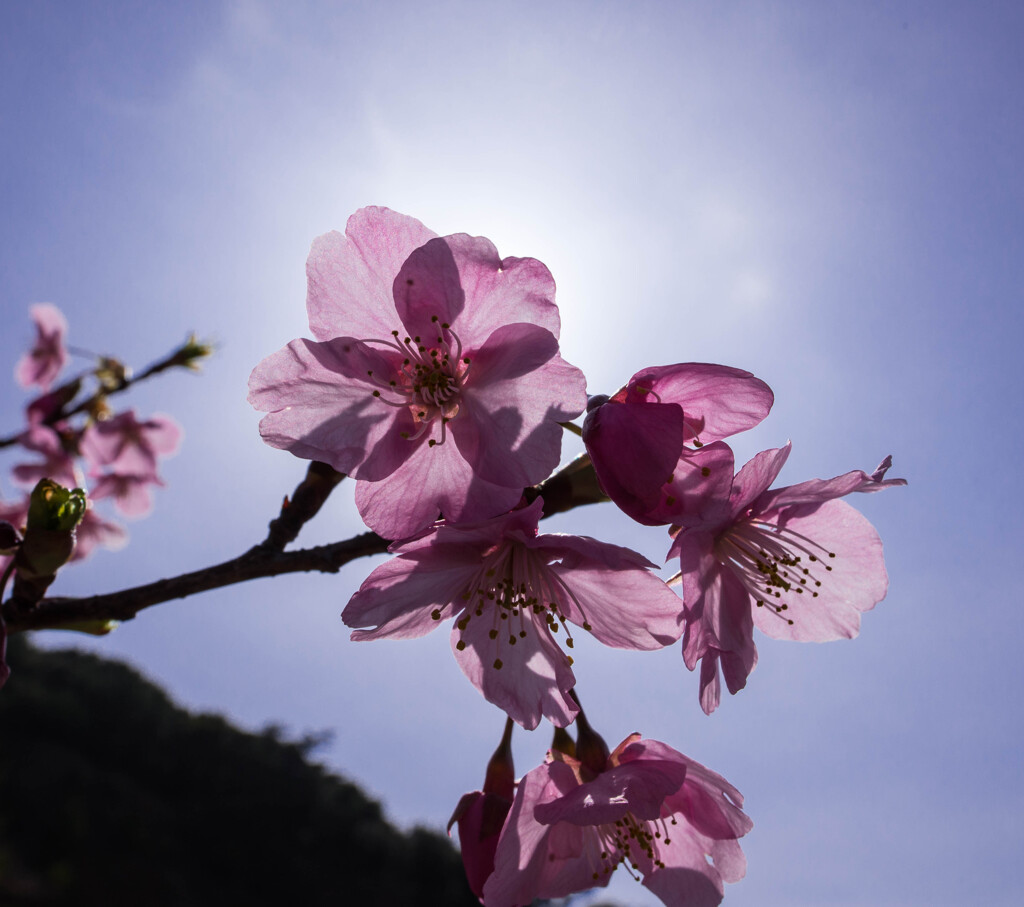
column 304, row 504
column 572, row 486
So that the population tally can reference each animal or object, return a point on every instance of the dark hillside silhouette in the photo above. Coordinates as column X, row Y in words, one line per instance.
column 112, row 795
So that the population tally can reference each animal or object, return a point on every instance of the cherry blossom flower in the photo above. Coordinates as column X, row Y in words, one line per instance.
column 795, row 561
column 637, row 437
column 125, row 445
column 512, row 592
column 435, row 378
column 663, row 817
column 41, row 365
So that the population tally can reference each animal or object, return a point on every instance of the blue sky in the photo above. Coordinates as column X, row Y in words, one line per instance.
column 829, row 195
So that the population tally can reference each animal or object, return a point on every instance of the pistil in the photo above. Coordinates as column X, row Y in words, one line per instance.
column 428, row 381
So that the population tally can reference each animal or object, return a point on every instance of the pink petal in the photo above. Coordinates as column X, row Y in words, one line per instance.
column 321, row 406
column 710, row 689
column 729, row 859
column 42, row 439
column 718, row 400
column 573, row 854
column 478, row 847
column 521, row 856
column 687, row 880
column 737, row 666
column 698, row 493
column 463, row 543
column 639, row 787
column 755, row 477
column 856, row 582
column 432, row 480
column 716, row 598
column 163, row 434
column 500, row 292
column 427, row 291
column 572, row 851
column 129, row 446
column 815, row 491
column 397, row 599
column 351, row 276
column 624, row 604
column 710, row 803
column 56, row 463
column 534, row 678
column 49, row 320
column 719, row 626
column 698, row 576
column 518, row 389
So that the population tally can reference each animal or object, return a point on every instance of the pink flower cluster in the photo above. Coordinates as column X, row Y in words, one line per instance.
column 435, row 381
column 113, row 456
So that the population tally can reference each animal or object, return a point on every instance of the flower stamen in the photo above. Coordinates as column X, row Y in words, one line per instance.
column 772, row 561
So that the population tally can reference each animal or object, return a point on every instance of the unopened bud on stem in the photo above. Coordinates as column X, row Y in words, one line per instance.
column 501, row 773
column 191, row 352
column 53, row 513
column 591, row 750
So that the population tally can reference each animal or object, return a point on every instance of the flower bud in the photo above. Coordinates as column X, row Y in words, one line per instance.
column 189, row 354
column 53, row 513
column 54, row 507
column 591, row 750
column 562, row 742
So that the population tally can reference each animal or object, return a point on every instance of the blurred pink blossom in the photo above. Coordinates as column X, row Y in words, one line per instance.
column 41, row 365
column 131, row 493
column 94, row 531
column 125, row 445
column 57, row 463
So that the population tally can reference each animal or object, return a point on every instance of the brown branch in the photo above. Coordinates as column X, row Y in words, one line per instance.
column 254, row 564
column 570, row 487
column 304, row 504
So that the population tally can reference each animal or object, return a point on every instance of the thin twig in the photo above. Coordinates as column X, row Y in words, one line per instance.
column 123, row 383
